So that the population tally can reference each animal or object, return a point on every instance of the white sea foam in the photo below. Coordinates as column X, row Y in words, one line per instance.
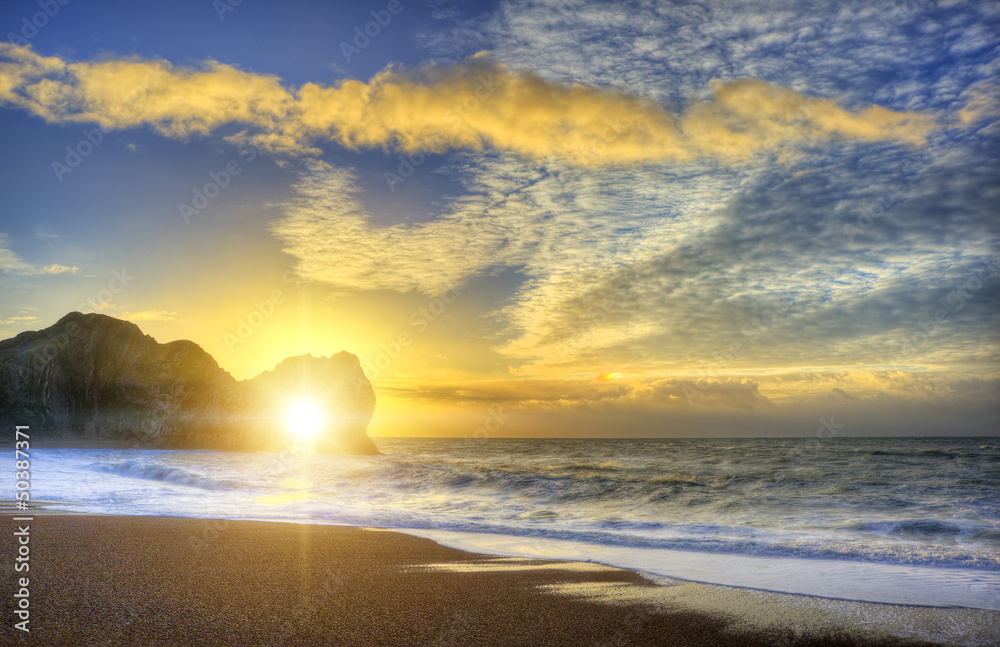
column 864, row 519
column 828, row 578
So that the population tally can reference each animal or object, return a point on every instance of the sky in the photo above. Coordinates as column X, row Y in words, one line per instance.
column 528, row 218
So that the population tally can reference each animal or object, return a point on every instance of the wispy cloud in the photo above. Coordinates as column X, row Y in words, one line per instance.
column 150, row 315
column 12, row 263
column 655, row 271
column 18, row 321
column 511, row 214
column 123, row 312
column 55, row 268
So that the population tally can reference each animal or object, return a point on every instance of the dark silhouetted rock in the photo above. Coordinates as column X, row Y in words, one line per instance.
column 99, row 378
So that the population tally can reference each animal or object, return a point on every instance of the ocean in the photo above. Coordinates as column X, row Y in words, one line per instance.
column 902, row 520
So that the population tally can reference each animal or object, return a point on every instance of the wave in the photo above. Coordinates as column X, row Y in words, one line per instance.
column 142, row 469
column 712, row 539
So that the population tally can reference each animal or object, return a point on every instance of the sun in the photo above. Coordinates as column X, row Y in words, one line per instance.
column 304, row 419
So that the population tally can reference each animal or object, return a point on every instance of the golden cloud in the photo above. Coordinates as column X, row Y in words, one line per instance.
column 839, row 390
column 11, row 263
column 55, row 268
column 477, row 104
column 150, row 315
column 18, row 321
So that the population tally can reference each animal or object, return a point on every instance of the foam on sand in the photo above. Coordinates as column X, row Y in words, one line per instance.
column 842, row 590
column 755, row 611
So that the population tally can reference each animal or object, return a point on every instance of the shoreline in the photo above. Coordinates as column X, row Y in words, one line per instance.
column 844, row 580
column 184, row 570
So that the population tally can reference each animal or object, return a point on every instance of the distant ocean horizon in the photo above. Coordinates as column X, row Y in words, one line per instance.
column 916, row 519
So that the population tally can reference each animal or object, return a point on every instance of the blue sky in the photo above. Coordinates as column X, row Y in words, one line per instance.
column 726, row 218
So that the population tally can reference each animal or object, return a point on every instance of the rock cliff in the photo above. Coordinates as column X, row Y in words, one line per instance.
column 96, row 377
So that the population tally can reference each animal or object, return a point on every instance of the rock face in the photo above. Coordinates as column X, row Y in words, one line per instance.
column 96, row 377
column 338, row 383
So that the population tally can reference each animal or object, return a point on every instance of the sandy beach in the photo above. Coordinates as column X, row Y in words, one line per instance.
column 108, row 580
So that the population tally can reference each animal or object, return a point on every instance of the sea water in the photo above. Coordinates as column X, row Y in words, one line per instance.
column 902, row 520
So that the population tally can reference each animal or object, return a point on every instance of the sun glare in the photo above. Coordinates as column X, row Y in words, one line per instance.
column 303, row 420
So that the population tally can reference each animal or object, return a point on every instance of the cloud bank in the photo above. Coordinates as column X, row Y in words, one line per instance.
column 825, row 405
column 473, row 105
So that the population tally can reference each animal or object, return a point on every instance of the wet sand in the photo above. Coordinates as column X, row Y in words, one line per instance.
column 105, row 580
